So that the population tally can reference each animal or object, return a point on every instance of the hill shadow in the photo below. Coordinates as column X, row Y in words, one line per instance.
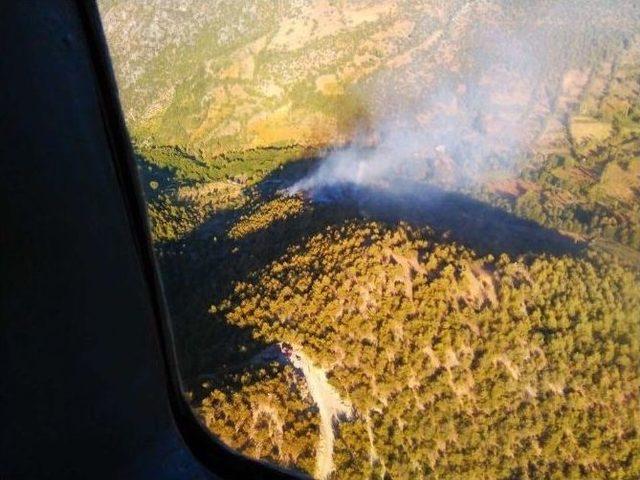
column 461, row 217
column 200, row 271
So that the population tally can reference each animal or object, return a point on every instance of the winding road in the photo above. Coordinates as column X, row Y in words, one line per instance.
column 330, row 405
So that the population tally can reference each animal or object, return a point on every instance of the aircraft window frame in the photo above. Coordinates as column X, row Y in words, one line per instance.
column 212, row 453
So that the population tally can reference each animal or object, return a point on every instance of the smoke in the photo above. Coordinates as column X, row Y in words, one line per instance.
column 470, row 109
column 453, row 140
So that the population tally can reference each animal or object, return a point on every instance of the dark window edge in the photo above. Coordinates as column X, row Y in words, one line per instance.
column 211, row 452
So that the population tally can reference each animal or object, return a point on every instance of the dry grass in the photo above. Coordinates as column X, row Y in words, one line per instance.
column 329, row 85
column 512, row 187
column 584, row 129
column 620, row 183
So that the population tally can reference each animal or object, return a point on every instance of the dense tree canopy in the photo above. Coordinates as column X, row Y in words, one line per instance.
column 457, row 366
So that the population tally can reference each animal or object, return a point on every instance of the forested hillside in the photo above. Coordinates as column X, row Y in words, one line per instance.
column 455, row 364
column 398, row 239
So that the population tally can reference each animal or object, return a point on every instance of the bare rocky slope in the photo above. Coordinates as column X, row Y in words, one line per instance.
column 223, row 75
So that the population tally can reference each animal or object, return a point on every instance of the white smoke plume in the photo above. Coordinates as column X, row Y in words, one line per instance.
column 481, row 115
